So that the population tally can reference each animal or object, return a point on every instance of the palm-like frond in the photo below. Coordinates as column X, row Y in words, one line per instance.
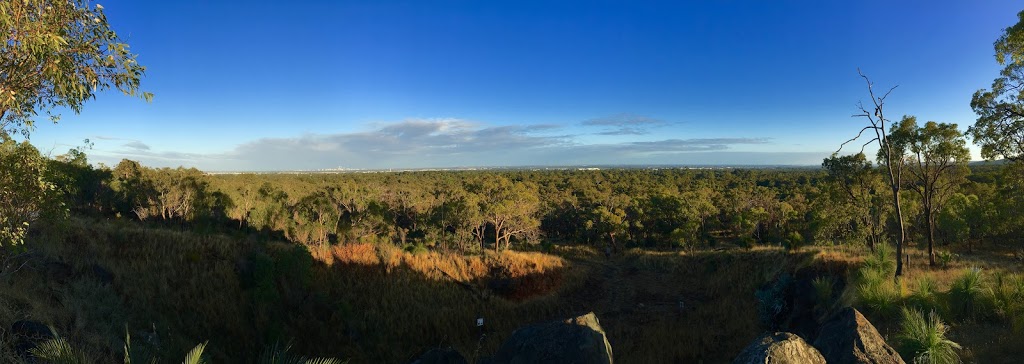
column 127, row 347
column 924, row 339
column 58, row 351
column 279, row 354
column 325, row 361
column 195, row 356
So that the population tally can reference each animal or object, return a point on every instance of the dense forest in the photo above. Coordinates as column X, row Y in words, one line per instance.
column 666, row 208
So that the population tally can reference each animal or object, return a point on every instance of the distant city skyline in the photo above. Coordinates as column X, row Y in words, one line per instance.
column 377, row 85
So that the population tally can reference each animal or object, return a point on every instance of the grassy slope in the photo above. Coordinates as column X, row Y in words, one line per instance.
column 380, row 304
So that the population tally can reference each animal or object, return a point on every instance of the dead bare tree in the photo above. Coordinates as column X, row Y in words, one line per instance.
column 892, row 156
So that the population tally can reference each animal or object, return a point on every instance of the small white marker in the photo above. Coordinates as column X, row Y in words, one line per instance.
column 480, row 322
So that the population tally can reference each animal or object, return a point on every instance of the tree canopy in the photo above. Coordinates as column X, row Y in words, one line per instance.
column 999, row 129
column 58, row 54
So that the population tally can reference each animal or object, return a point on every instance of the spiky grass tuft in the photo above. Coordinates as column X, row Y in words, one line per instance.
column 966, row 294
column 58, row 351
column 924, row 339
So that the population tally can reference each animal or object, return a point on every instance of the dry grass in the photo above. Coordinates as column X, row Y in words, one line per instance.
column 97, row 279
column 379, row 303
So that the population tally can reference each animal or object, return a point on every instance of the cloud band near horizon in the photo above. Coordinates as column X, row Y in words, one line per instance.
column 445, row 143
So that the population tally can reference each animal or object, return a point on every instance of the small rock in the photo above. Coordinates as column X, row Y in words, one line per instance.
column 779, row 348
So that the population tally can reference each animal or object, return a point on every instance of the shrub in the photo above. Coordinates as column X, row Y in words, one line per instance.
column 1007, row 296
column 26, row 195
column 883, row 261
column 945, row 258
column 824, row 290
column 879, row 295
column 924, row 338
column 416, row 249
column 875, row 288
column 966, row 294
column 923, row 296
column 793, row 241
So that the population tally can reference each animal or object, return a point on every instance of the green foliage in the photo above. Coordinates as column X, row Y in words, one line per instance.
column 960, row 217
column 924, row 294
column 26, row 195
column 281, row 354
column 1001, row 109
column 824, row 290
column 851, row 207
column 945, row 258
column 876, row 289
column 1007, row 295
column 924, row 339
column 58, row 351
column 881, row 261
column 937, row 158
column 878, row 292
column 793, row 241
column 966, row 294
column 416, row 249
column 57, row 55
column 195, row 356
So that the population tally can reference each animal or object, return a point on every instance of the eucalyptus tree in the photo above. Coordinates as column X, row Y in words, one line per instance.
column 999, row 129
column 857, row 182
column 938, row 158
column 58, row 54
column 55, row 55
column 511, row 208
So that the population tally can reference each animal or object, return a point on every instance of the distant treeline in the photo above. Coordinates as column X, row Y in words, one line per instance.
column 611, row 209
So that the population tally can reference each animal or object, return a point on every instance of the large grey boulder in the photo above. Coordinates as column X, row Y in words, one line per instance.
column 849, row 338
column 779, row 348
column 575, row 340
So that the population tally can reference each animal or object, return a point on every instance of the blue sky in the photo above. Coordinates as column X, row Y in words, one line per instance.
column 278, row 85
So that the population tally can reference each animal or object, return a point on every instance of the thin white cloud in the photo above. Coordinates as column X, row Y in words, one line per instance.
column 136, row 145
column 422, row 143
column 625, row 124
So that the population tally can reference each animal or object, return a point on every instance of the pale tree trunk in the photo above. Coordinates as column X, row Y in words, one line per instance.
column 902, row 231
column 877, row 119
column 930, row 225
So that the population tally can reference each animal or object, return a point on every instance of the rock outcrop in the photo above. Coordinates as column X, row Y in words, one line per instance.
column 850, row 338
column 575, row 340
column 27, row 335
column 779, row 348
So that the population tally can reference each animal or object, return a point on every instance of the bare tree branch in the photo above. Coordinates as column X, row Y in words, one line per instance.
column 855, row 138
column 875, row 139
